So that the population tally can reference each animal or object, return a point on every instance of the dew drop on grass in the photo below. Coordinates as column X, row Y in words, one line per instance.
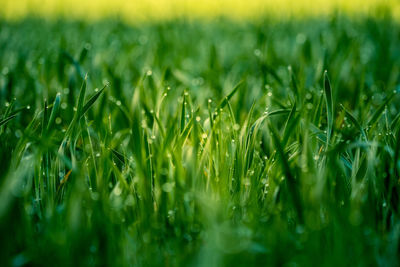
column 167, row 187
column 204, row 136
column 149, row 73
column 18, row 133
column 269, row 94
column 117, row 191
column 209, row 100
column 198, row 118
column 7, row 104
column 58, row 120
column 118, row 103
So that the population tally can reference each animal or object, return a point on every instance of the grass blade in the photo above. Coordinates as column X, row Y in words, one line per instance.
column 329, row 105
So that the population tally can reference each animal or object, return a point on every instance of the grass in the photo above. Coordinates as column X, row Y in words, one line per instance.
column 200, row 143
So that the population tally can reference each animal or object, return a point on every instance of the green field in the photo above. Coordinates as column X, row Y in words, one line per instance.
column 200, row 143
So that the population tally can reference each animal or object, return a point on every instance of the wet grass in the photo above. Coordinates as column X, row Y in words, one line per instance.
column 200, row 143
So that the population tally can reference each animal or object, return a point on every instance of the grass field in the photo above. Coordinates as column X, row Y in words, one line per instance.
column 200, row 143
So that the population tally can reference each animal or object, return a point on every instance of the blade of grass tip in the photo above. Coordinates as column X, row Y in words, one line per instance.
column 9, row 108
column 290, row 178
column 92, row 99
column 54, row 112
column 329, row 105
column 18, row 110
column 225, row 101
column 379, row 111
column 355, row 122
column 76, row 117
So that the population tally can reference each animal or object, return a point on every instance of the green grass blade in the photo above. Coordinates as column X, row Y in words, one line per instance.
column 54, row 112
column 329, row 105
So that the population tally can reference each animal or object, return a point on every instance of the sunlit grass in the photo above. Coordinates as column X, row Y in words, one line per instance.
column 139, row 10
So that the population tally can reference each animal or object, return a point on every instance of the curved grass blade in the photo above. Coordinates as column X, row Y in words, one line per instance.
column 329, row 105
column 379, row 111
column 225, row 101
column 91, row 101
column 6, row 120
column 54, row 112
column 183, row 112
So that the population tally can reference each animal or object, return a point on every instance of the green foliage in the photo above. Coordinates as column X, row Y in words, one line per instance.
column 205, row 149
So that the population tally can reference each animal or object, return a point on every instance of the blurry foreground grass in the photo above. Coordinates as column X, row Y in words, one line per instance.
column 205, row 149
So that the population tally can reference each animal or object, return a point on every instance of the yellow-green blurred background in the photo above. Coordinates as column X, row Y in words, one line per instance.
column 142, row 10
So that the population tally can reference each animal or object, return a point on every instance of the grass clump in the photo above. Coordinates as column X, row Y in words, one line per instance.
column 202, row 147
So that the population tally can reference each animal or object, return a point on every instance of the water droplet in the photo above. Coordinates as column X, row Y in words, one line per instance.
column 118, row 103
column 257, row 52
column 117, row 191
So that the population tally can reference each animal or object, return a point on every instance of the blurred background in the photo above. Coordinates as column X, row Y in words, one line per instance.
column 139, row 10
